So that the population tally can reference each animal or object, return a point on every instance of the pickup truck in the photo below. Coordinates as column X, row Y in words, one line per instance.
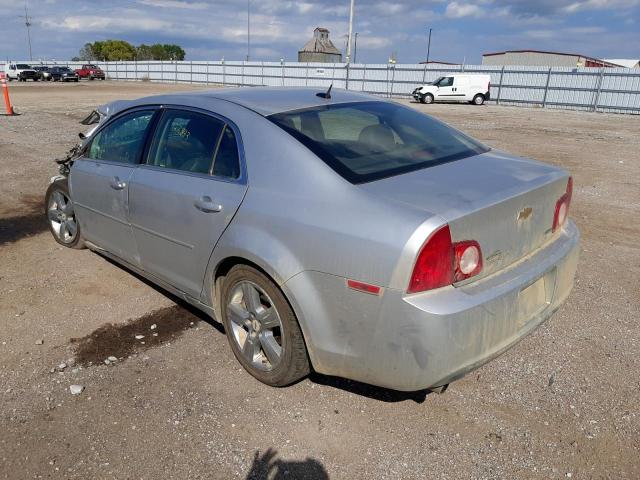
column 90, row 72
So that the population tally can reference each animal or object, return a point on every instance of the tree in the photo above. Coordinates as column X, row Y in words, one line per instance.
column 110, row 50
column 86, row 53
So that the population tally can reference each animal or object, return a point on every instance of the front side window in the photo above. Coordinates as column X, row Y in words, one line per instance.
column 366, row 141
column 185, row 141
column 123, row 139
column 445, row 82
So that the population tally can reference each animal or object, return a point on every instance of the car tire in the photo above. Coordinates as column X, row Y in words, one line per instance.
column 262, row 328
column 60, row 214
column 91, row 77
column 478, row 99
column 427, row 98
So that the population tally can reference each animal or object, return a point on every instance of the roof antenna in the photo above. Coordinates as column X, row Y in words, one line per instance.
column 326, row 94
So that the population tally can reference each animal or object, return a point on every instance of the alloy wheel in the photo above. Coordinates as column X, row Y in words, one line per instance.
column 62, row 217
column 256, row 325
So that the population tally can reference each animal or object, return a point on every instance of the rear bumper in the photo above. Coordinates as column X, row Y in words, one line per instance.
column 413, row 342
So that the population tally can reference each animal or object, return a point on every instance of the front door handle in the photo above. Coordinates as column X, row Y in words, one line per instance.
column 116, row 184
column 207, row 205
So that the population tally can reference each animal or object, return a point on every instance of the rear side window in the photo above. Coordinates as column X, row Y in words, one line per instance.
column 185, row 141
column 227, row 163
column 366, row 141
column 123, row 139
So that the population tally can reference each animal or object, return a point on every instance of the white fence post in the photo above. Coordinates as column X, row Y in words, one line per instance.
column 597, row 95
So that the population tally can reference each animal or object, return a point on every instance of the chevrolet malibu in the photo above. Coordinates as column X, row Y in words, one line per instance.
column 332, row 231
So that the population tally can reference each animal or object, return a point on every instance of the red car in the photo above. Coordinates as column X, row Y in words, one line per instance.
column 90, row 72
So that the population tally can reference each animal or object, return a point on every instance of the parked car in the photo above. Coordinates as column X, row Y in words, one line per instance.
column 20, row 71
column 44, row 72
column 63, row 74
column 456, row 88
column 91, row 72
column 335, row 231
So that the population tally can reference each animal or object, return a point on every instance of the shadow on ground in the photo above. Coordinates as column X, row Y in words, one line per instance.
column 369, row 391
column 30, row 221
column 268, row 466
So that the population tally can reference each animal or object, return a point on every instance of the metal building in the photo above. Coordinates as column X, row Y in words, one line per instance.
column 320, row 49
column 625, row 62
column 540, row 58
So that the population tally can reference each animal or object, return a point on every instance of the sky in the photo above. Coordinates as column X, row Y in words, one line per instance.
column 211, row 30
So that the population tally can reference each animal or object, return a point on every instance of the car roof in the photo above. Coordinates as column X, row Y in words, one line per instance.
column 271, row 100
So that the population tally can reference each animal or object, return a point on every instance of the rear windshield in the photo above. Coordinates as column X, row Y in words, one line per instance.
column 366, row 141
column 23, row 66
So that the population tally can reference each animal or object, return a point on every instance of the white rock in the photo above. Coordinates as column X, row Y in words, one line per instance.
column 107, row 361
column 71, row 362
column 112, row 359
column 39, row 341
column 139, row 337
column 76, row 389
column 154, row 326
column 62, row 366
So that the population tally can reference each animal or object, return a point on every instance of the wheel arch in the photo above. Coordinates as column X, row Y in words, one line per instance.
column 224, row 266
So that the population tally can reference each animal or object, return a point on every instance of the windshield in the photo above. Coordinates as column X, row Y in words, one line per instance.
column 367, row 141
column 23, row 66
column 64, row 69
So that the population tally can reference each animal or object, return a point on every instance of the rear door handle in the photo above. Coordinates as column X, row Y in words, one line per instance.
column 116, row 184
column 207, row 205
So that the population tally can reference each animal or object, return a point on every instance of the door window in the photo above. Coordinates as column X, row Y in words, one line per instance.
column 227, row 163
column 185, row 141
column 122, row 140
column 446, row 82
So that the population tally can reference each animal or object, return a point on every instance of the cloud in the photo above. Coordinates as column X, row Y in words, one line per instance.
column 92, row 23
column 460, row 10
column 175, row 4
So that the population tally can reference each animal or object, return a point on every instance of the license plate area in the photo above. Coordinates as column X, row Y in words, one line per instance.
column 532, row 300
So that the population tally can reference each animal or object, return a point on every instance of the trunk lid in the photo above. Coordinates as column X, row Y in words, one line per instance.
column 505, row 203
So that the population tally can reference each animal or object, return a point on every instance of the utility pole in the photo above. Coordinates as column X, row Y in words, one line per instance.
column 429, row 47
column 248, row 28
column 355, row 47
column 27, row 23
column 351, row 9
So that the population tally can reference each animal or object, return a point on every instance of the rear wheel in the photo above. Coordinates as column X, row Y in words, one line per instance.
column 427, row 98
column 61, row 216
column 261, row 328
column 478, row 99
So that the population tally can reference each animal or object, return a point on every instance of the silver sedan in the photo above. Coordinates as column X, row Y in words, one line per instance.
column 332, row 231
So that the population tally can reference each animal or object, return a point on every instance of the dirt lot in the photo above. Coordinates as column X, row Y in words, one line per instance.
column 565, row 402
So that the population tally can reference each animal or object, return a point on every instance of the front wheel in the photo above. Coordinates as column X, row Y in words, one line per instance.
column 261, row 328
column 61, row 216
column 478, row 99
column 427, row 98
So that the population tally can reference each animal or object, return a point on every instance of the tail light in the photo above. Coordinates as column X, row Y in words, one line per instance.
column 562, row 206
column 442, row 262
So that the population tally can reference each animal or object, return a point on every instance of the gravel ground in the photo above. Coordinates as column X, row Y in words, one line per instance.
column 565, row 402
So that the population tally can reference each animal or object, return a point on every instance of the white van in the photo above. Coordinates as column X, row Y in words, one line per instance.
column 455, row 88
column 20, row 71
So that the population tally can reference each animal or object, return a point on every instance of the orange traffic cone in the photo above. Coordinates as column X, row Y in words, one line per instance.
column 5, row 92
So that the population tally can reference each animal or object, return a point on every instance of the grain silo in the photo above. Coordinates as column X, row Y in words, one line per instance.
column 320, row 49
